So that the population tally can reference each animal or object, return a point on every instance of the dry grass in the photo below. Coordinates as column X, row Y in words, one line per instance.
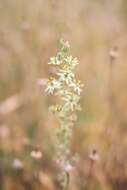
column 29, row 32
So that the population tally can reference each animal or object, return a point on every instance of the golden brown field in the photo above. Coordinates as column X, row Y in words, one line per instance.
column 29, row 34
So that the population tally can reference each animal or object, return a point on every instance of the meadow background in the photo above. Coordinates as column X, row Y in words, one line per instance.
column 29, row 34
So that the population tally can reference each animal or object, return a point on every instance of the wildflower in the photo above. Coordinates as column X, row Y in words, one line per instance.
column 114, row 53
column 68, row 90
column 52, row 85
column 68, row 167
column 94, row 156
column 72, row 62
column 66, row 76
column 36, row 154
column 54, row 61
column 77, row 87
column 17, row 164
column 71, row 101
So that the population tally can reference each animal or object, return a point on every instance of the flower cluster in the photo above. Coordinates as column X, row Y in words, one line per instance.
column 64, row 85
column 52, row 85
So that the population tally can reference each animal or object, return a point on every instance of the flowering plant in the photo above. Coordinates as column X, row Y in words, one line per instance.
column 64, row 85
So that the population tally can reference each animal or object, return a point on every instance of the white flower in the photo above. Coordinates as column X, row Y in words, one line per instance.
column 94, row 156
column 77, row 87
column 68, row 90
column 71, row 101
column 68, row 167
column 114, row 52
column 52, row 85
column 17, row 164
column 71, row 61
column 36, row 154
column 54, row 61
column 65, row 165
column 66, row 75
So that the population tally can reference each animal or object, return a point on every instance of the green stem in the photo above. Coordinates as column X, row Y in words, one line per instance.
column 67, row 179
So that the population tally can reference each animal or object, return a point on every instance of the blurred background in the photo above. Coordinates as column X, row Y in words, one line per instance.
column 29, row 34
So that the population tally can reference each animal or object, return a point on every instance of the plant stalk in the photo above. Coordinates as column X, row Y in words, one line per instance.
column 67, row 179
